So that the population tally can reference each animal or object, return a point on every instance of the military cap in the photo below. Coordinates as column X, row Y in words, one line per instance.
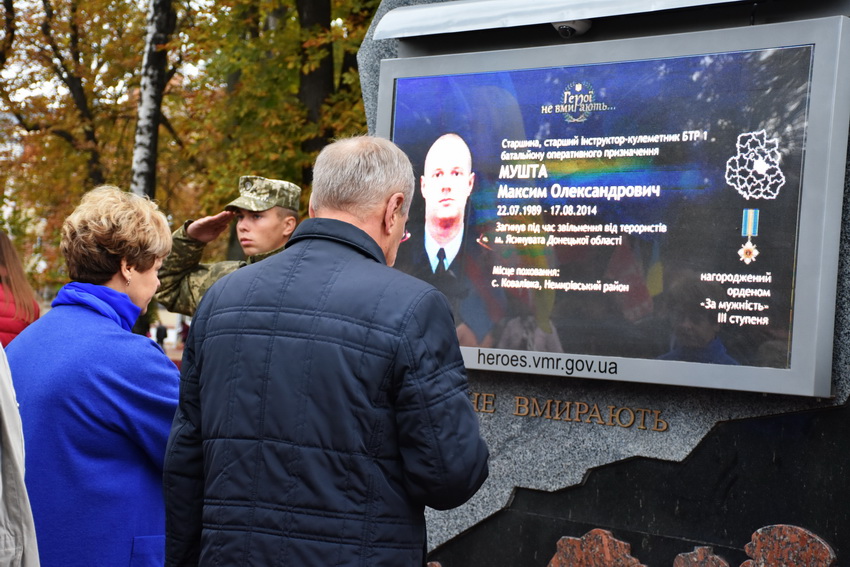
column 261, row 194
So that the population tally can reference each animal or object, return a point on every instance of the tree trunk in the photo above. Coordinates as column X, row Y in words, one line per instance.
column 161, row 23
column 318, row 84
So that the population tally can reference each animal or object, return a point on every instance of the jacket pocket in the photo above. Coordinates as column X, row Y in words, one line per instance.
column 148, row 551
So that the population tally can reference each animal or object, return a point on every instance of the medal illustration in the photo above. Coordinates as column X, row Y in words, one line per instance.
column 749, row 229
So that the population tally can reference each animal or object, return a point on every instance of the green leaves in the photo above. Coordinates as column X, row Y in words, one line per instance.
column 236, row 104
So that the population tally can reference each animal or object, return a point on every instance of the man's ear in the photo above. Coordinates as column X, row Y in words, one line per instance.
column 394, row 212
column 289, row 224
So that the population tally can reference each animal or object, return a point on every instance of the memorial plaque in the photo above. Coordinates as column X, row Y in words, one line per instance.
column 660, row 209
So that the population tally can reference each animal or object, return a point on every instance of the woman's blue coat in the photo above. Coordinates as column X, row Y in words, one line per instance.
column 96, row 404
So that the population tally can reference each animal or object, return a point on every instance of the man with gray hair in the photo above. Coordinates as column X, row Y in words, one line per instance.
column 266, row 213
column 323, row 400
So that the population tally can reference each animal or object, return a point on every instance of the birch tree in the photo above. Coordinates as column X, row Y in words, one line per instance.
column 160, row 26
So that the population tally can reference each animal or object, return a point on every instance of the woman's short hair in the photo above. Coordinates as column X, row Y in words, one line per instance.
column 110, row 225
column 359, row 173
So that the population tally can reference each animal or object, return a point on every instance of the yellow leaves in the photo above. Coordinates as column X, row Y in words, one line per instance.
column 316, row 42
column 272, row 121
column 233, row 108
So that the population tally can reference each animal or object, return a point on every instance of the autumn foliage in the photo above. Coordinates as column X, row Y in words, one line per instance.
column 251, row 91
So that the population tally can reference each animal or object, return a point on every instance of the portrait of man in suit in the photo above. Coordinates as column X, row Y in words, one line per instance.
column 443, row 251
column 445, row 185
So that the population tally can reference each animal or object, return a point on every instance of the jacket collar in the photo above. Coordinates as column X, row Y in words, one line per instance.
column 257, row 257
column 341, row 232
column 104, row 300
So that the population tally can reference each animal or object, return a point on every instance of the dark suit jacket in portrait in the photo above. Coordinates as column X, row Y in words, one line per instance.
column 466, row 282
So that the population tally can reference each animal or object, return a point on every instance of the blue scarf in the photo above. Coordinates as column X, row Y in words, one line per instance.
column 104, row 300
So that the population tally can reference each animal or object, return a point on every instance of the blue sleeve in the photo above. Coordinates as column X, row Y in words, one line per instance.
column 445, row 458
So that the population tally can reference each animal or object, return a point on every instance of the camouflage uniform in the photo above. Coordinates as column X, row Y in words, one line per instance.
column 184, row 280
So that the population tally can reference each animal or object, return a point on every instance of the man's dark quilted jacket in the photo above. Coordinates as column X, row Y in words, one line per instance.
column 323, row 405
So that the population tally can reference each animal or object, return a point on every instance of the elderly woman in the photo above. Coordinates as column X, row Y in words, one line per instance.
column 97, row 400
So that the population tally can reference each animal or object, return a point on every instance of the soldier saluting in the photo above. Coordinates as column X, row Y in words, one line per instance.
column 266, row 213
